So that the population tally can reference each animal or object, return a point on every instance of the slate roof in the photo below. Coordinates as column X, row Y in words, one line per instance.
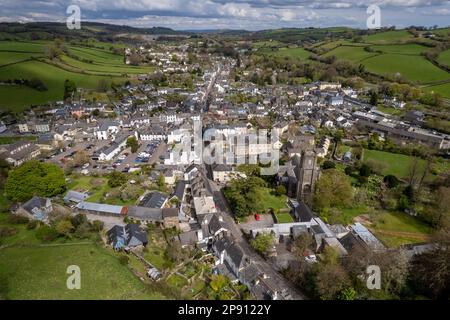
column 179, row 189
column 154, row 200
column 98, row 207
column 74, row 196
column 35, row 202
column 123, row 236
column 143, row 213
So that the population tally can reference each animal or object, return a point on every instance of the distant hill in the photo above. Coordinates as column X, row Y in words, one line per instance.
column 49, row 30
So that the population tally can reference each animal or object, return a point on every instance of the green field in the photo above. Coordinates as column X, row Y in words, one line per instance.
column 284, row 217
column 399, row 36
column 40, row 273
column 390, row 64
column 85, row 66
column 408, row 49
column 395, row 164
column 354, row 54
column 442, row 89
column 272, row 201
column 444, row 57
column 398, row 228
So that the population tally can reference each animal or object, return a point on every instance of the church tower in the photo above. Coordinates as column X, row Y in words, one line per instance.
column 307, row 172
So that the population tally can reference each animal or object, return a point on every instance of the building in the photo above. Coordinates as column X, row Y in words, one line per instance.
column 20, row 152
column 127, row 237
column 36, row 208
column 307, row 172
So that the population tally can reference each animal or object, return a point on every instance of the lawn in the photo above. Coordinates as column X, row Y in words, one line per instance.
column 272, row 201
column 442, row 89
column 390, row 64
column 40, row 273
column 399, row 36
column 284, row 217
column 155, row 255
column 408, row 49
column 395, row 164
column 9, row 140
column 354, row 54
column 444, row 57
column 398, row 228
column 30, row 269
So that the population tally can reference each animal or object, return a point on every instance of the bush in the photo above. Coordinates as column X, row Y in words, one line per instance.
column 348, row 170
column 328, row 165
column 7, row 232
column 18, row 219
column 365, row 170
column 97, row 225
column 47, row 233
column 391, row 181
column 32, row 225
column 280, row 191
column 116, row 179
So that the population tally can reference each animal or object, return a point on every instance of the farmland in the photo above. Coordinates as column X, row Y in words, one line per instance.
column 444, row 57
column 85, row 66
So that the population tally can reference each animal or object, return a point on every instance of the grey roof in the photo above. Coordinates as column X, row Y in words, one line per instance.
column 98, row 207
column 143, row 213
column 365, row 235
column 35, row 202
column 188, row 238
column 179, row 189
column 169, row 212
column 75, row 196
column 304, row 212
column 131, row 235
column 154, row 200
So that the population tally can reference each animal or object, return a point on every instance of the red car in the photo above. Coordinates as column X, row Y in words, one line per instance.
column 257, row 217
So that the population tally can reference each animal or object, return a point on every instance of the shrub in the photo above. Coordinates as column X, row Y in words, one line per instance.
column 280, row 191
column 18, row 219
column 47, row 233
column 391, row 181
column 32, row 225
column 7, row 232
column 328, row 165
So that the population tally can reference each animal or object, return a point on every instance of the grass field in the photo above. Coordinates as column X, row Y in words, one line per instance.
column 444, row 57
column 284, row 217
column 272, row 201
column 399, row 36
column 395, row 164
column 354, row 54
column 398, row 228
column 390, row 64
column 30, row 269
column 442, row 89
column 9, row 140
column 40, row 273
column 86, row 67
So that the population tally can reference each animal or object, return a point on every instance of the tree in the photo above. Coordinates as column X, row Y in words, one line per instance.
column 116, row 179
column 262, row 243
column 80, row 158
column 69, row 88
column 133, row 144
column 391, row 181
column 280, row 190
column 244, row 195
column 102, row 85
column 218, row 282
column 332, row 190
column 430, row 271
column 328, row 165
column 35, row 178
column 64, row 227
column 365, row 170
column 330, row 277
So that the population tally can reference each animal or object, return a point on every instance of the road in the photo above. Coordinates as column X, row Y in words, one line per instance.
column 267, row 267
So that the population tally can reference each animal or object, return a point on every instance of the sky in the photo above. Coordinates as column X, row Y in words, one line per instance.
column 236, row 14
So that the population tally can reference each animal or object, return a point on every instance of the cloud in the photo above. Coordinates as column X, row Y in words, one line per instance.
column 249, row 14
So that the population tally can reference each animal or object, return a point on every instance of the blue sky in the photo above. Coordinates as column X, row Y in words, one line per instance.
column 236, row 14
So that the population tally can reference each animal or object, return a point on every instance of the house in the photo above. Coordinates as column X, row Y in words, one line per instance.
column 107, row 129
column 19, row 152
column 127, row 237
column 223, row 173
column 154, row 200
column 170, row 217
column 76, row 197
column 36, row 208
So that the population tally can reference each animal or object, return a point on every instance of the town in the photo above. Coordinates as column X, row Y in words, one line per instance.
column 359, row 178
